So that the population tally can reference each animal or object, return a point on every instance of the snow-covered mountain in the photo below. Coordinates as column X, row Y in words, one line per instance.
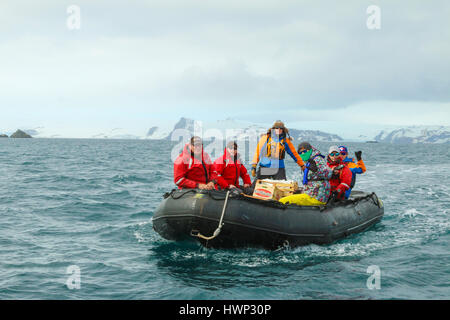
column 415, row 134
column 314, row 135
column 184, row 128
column 230, row 129
column 116, row 133
column 158, row 133
column 41, row 132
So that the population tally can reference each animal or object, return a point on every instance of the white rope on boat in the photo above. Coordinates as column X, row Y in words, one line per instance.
column 219, row 227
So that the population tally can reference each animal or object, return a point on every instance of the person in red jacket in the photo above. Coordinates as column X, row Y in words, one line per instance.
column 229, row 167
column 193, row 167
column 342, row 176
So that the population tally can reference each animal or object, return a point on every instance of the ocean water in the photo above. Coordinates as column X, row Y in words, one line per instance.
column 89, row 204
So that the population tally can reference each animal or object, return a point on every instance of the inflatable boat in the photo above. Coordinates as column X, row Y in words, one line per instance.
column 219, row 219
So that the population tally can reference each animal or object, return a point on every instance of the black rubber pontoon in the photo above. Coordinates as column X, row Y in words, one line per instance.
column 249, row 222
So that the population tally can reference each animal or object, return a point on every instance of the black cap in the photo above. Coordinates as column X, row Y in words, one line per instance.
column 305, row 145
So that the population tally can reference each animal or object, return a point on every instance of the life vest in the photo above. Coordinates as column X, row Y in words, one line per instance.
column 275, row 149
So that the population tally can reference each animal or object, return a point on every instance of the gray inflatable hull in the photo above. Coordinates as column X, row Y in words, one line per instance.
column 257, row 223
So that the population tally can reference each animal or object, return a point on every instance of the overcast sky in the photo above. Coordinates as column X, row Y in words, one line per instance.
column 135, row 64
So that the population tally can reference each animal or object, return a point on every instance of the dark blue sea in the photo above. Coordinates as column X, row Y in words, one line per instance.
column 87, row 205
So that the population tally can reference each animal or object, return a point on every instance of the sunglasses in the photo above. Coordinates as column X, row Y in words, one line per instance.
column 335, row 154
column 343, row 153
column 277, row 128
column 303, row 151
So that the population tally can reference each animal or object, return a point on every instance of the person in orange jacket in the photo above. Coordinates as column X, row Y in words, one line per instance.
column 193, row 167
column 229, row 168
column 341, row 177
column 357, row 167
column 271, row 151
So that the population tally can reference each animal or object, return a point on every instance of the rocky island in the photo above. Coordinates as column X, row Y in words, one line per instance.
column 20, row 134
column 3, row 136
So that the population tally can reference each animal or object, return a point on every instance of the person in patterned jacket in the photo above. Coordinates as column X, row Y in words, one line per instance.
column 317, row 174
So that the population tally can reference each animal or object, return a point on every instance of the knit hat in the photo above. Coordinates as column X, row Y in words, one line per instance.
column 304, row 145
column 333, row 149
column 343, row 149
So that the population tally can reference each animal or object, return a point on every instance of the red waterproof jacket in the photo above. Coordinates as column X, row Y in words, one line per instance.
column 189, row 172
column 230, row 171
column 341, row 183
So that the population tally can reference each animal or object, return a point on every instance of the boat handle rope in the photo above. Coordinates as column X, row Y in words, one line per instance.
column 196, row 233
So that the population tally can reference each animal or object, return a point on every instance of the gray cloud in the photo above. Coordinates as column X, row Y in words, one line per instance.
column 222, row 55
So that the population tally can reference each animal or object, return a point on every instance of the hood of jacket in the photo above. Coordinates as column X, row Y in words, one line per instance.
column 188, row 155
column 227, row 157
column 315, row 152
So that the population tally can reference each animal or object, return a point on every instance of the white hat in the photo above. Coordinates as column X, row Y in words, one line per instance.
column 333, row 149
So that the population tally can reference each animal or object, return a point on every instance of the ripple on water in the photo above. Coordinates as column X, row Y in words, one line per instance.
column 90, row 202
